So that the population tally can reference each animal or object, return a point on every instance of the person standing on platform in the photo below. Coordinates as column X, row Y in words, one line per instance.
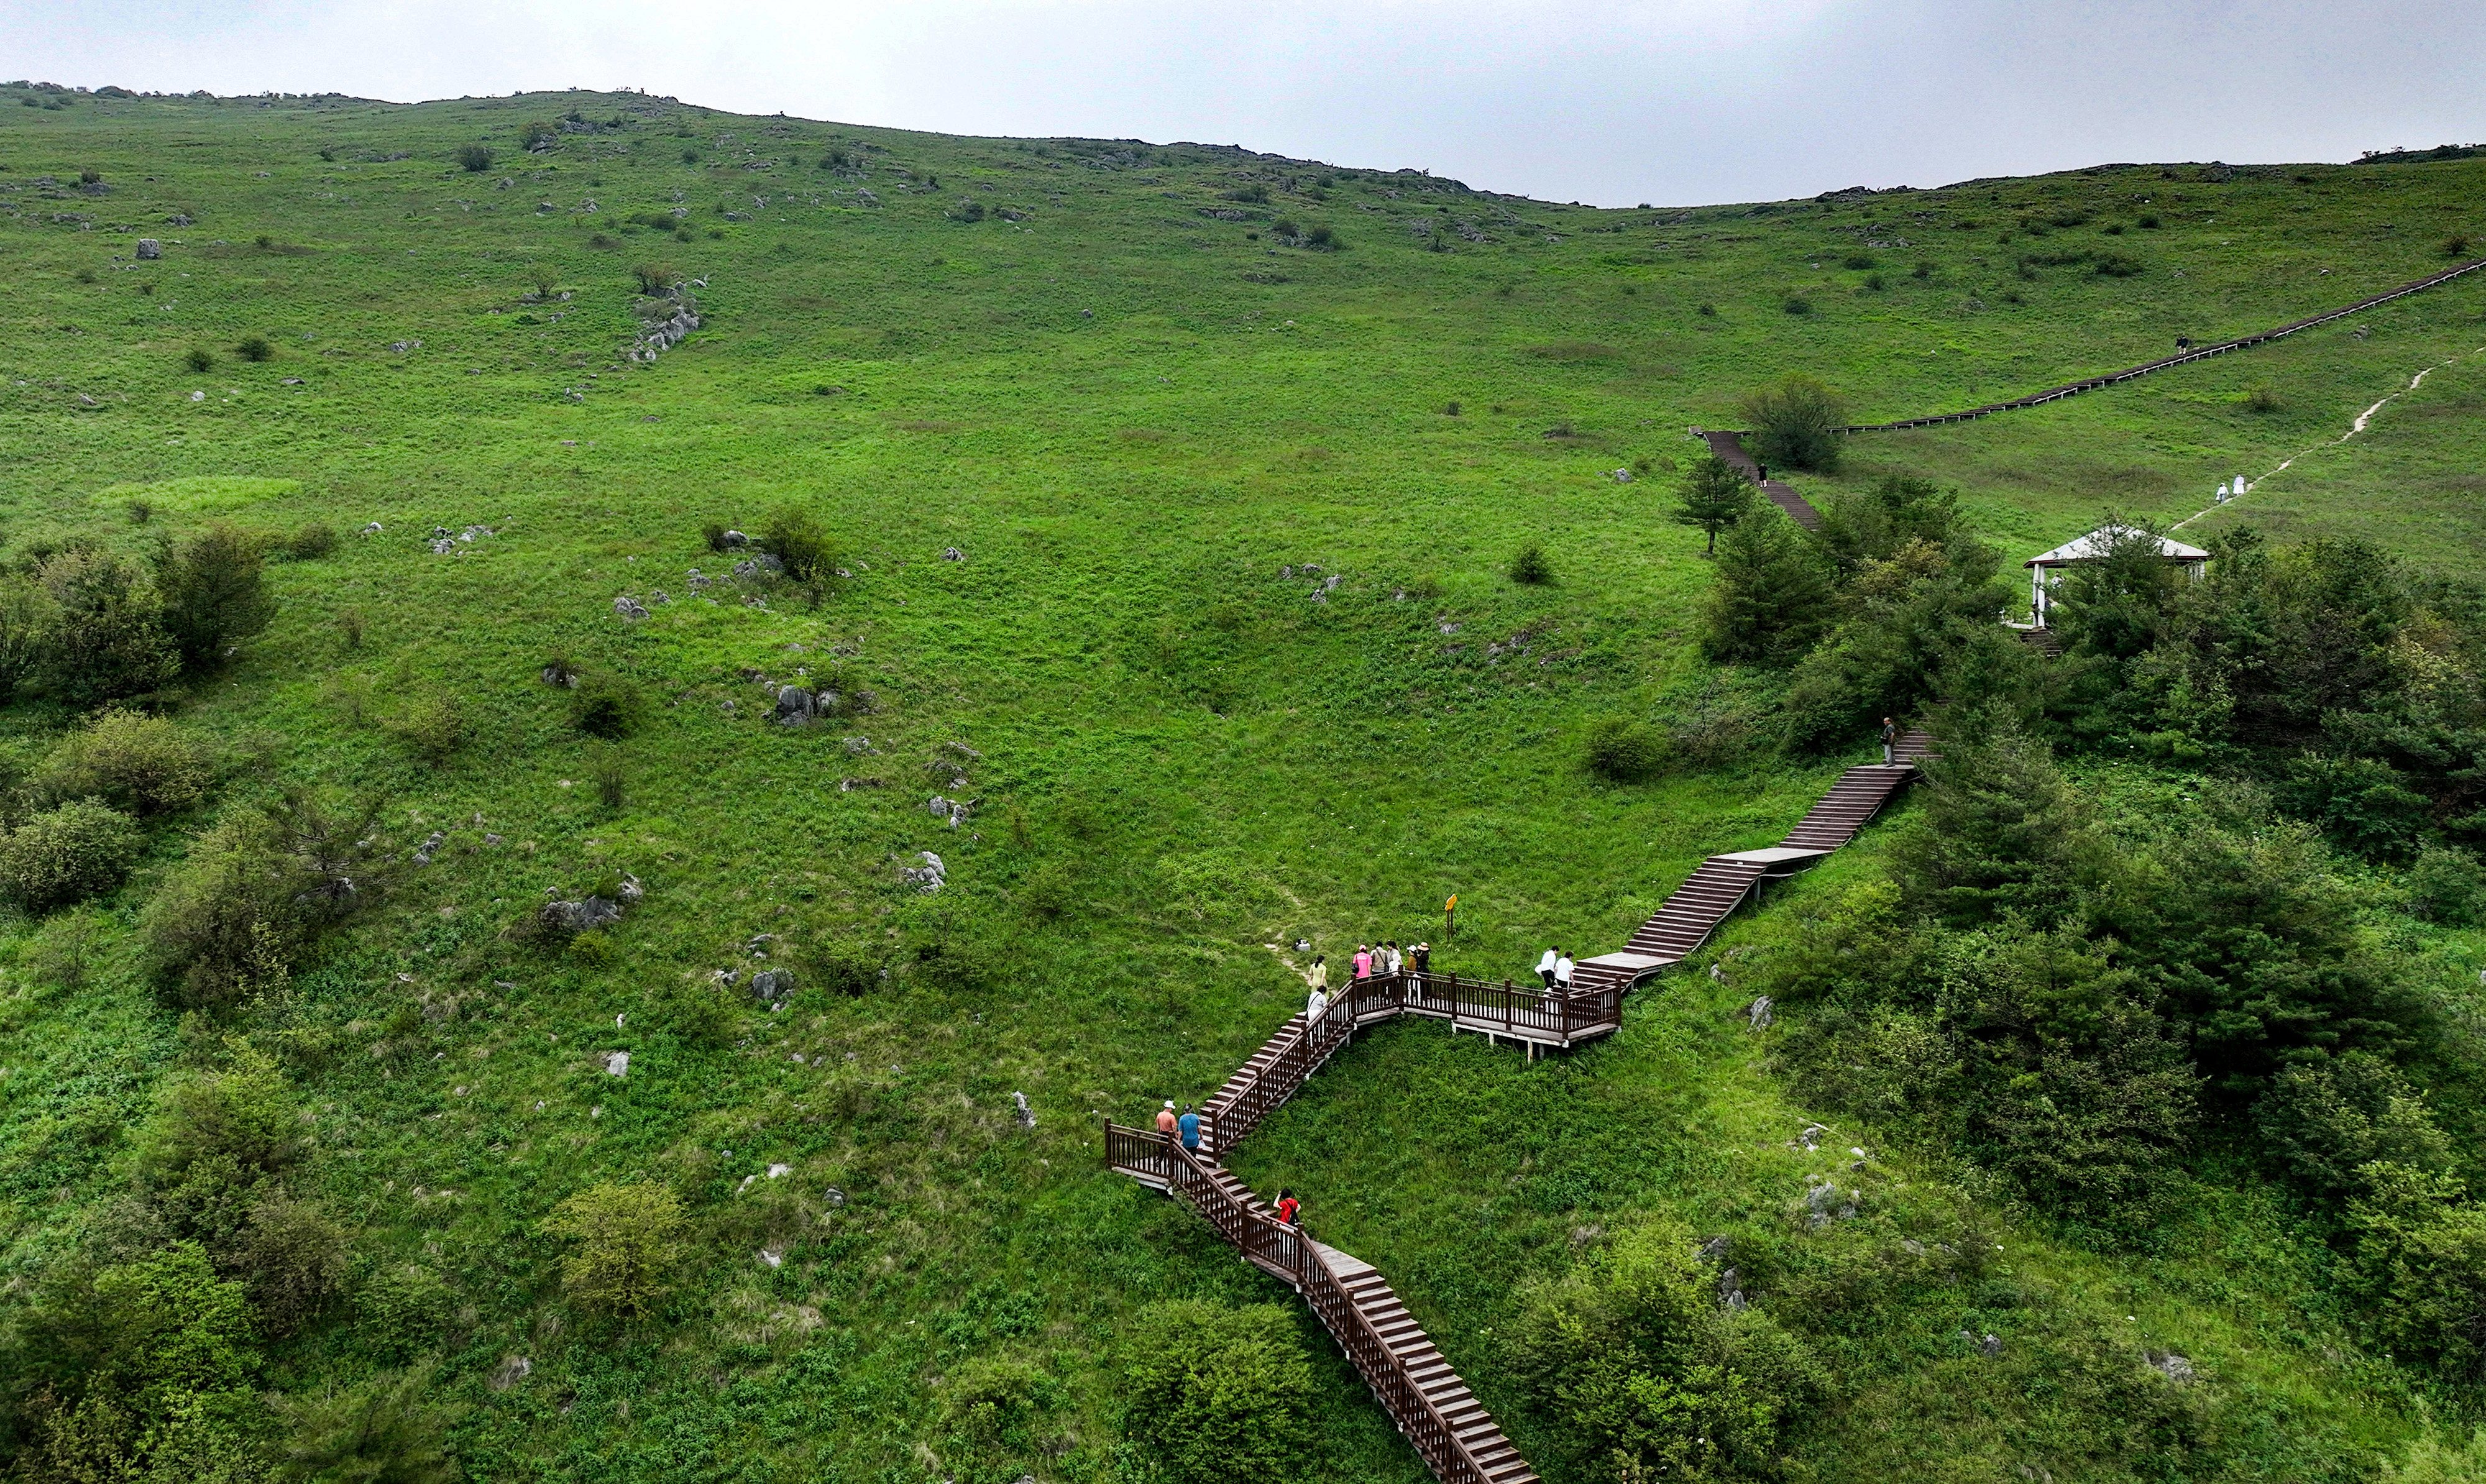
column 1188, row 1127
column 1562, row 971
column 1545, row 967
column 1890, row 740
column 1165, row 1118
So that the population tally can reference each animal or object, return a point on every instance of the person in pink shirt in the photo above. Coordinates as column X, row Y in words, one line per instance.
column 1363, row 962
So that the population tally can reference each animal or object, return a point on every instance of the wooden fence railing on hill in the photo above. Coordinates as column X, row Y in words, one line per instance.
column 1449, row 1429
column 2180, row 358
column 1431, row 1406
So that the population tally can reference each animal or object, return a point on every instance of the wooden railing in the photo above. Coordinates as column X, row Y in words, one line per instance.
column 2180, row 358
column 1289, row 1060
column 1286, row 1252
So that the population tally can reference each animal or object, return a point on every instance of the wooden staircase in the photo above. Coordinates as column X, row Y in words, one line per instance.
column 1439, row 1416
column 1441, row 1419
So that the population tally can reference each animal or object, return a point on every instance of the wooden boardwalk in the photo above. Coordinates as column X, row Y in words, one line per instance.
column 2180, row 358
column 1730, row 448
column 1407, row 1373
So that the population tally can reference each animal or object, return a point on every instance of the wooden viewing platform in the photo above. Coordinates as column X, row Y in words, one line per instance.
column 1431, row 1406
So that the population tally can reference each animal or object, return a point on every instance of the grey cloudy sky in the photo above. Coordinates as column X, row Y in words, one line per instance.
column 1609, row 101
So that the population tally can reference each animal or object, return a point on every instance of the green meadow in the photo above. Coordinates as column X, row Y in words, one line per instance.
column 1176, row 546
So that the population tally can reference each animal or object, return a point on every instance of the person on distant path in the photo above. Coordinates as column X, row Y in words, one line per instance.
column 1290, row 1211
column 1422, row 955
column 1545, row 967
column 1760, row 473
column 1395, row 962
column 1562, row 971
column 1189, row 1127
column 1363, row 962
column 1315, row 1007
column 1165, row 1118
column 1890, row 740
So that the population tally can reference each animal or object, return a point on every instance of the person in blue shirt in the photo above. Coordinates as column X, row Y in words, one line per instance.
column 1188, row 1126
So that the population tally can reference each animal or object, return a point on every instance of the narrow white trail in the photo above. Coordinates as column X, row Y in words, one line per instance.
column 2354, row 428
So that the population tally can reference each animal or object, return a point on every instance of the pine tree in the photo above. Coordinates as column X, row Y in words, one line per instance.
column 1713, row 497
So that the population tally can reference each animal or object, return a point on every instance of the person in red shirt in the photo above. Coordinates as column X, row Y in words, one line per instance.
column 1290, row 1211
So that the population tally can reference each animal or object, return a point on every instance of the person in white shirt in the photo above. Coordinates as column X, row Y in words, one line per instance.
column 1315, row 1007
column 1545, row 966
column 1562, row 971
column 1394, row 959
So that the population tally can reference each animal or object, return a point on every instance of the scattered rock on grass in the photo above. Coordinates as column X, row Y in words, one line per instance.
column 928, row 877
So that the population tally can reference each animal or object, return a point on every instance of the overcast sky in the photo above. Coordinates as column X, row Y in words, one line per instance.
column 1608, row 101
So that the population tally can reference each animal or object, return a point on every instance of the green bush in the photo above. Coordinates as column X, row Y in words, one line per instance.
column 995, row 1402
column 215, row 594
column 1212, row 1395
column 102, row 634
column 311, row 542
column 608, row 768
column 1795, row 422
column 2446, row 886
column 628, row 1244
column 138, row 763
column 474, row 158
column 2420, row 1266
column 846, row 965
column 1639, row 1373
column 795, row 539
column 291, row 1259
column 75, row 851
column 254, row 348
column 434, row 726
column 1623, row 752
column 200, row 359
column 256, row 893
column 2362, row 802
column 1528, row 566
column 537, row 134
column 604, row 705
column 655, row 278
column 379, row 1432
column 2324, row 1123
column 403, row 1308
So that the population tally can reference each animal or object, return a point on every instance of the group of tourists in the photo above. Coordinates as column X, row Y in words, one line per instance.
column 1554, row 969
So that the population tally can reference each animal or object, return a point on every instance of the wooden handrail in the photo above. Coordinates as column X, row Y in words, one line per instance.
column 2180, row 358
column 1288, row 1252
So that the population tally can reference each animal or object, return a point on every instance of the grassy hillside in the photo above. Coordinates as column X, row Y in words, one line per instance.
column 1093, row 439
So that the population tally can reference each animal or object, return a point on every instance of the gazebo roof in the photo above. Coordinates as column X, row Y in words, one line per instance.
column 2093, row 547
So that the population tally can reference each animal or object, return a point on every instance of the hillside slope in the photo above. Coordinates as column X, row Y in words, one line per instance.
column 1173, row 545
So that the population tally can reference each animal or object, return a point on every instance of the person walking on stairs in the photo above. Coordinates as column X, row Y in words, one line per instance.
column 1563, row 970
column 1318, row 978
column 1290, row 1211
column 1315, row 1007
column 1188, row 1126
column 1363, row 962
column 1545, row 967
column 1165, row 1118
column 1890, row 740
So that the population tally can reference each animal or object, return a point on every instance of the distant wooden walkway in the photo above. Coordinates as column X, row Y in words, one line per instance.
column 1730, row 448
column 2180, row 358
column 1431, row 1406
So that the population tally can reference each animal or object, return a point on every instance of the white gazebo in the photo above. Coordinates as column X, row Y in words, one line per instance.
column 2045, row 568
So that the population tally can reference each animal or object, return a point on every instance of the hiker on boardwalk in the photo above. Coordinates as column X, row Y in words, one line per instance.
column 1165, row 1118
column 1363, row 962
column 1545, row 967
column 1422, row 957
column 1315, row 1007
column 1562, row 971
column 1318, row 978
column 1395, row 962
column 1188, row 1126
column 1290, row 1211
column 1890, row 740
